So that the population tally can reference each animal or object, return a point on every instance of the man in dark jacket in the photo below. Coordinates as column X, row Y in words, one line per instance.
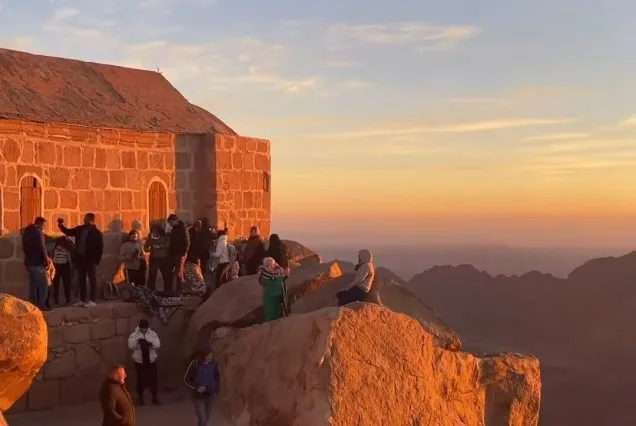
column 254, row 251
column 117, row 405
column 208, row 236
column 89, row 243
column 36, row 262
column 179, row 245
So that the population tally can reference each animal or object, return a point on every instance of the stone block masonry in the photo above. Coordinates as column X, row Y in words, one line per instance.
column 243, row 183
column 83, row 343
column 110, row 172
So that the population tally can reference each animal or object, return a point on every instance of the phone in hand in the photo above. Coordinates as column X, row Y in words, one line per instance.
column 60, row 220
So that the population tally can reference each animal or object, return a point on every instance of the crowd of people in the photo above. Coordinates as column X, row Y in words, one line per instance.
column 194, row 259
column 191, row 259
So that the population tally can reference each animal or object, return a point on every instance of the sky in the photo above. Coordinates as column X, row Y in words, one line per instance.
column 492, row 121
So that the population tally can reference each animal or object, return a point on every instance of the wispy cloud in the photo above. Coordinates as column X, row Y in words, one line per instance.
column 628, row 122
column 557, row 137
column 584, row 146
column 499, row 101
column 476, row 126
column 418, row 34
column 355, row 84
column 64, row 14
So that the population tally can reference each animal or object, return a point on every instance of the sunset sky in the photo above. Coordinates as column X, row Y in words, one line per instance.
column 490, row 121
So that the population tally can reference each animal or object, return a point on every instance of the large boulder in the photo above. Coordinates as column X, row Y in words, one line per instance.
column 23, row 348
column 239, row 303
column 390, row 295
column 366, row 365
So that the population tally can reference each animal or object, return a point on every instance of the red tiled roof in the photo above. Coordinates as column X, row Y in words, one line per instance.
column 56, row 90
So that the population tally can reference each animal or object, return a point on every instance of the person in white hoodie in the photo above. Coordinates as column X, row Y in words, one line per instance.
column 362, row 284
column 144, row 343
column 222, row 256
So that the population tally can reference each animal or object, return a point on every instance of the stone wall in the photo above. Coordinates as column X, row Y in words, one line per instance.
column 109, row 172
column 83, row 343
column 243, row 183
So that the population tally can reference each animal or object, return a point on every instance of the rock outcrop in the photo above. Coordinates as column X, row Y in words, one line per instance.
column 366, row 365
column 392, row 296
column 239, row 303
column 23, row 348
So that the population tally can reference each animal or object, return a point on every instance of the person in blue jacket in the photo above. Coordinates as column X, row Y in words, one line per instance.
column 204, row 380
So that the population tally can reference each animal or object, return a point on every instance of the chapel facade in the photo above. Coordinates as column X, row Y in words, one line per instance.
column 123, row 143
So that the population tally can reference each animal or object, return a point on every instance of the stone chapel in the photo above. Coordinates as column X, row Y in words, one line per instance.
column 79, row 137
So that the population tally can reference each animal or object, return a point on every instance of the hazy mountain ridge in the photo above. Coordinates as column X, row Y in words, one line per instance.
column 581, row 327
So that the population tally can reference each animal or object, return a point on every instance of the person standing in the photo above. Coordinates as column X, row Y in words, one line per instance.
column 89, row 250
column 36, row 262
column 208, row 237
column 131, row 253
column 158, row 245
column 277, row 250
column 179, row 245
column 62, row 260
column 144, row 343
column 222, row 255
column 204, row 380
column 117, row 406
column 254, row 251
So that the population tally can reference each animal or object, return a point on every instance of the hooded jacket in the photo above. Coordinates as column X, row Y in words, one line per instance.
column 133, row 344
column 365, row 274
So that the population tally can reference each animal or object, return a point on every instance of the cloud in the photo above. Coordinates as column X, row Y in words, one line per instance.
column 341, row 64
column 596, row 145
column 477, row 126
column 476, row 101
column 628, row 122
column 557, row 137
column 418, row 34
column 355, row 84
column 64, row 14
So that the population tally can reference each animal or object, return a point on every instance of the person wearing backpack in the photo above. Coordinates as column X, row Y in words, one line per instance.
column 204, row 380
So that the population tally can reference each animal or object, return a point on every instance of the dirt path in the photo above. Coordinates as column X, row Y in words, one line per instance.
column 174, row 413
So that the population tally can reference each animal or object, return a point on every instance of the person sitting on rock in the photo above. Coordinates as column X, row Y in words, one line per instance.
column 272, row 279
column 144, row 343
column 204, row 380
column 254, row 252
column 131, row 253
column 361, row 286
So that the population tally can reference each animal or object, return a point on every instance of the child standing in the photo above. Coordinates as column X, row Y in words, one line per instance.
column 62, row 254
column 132, row 254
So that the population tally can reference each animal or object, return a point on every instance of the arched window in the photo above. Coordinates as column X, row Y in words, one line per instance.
column 30, row 200
column 157, row 201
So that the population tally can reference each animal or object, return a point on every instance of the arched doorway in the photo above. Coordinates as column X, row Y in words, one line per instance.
column 157, row 201
column 30, row 200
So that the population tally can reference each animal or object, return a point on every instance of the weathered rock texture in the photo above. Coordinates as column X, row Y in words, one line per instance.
column 83, row 343
column 240, row 302
column 392, row 296
column 368, row 366
column 23, row 348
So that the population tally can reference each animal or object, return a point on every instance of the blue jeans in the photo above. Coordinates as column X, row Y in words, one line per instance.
column 38, row 286
column 203, row 408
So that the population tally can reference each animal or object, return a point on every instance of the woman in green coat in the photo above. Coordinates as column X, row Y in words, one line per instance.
column 272, row 279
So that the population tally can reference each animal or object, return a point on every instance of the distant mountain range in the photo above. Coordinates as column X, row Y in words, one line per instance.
column 407, row 260
column 583, row 328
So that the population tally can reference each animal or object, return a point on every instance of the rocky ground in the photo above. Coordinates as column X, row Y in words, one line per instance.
column 175, row 412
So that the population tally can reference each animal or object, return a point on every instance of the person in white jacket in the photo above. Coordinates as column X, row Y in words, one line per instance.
column 144, row 343
column 222, row 256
